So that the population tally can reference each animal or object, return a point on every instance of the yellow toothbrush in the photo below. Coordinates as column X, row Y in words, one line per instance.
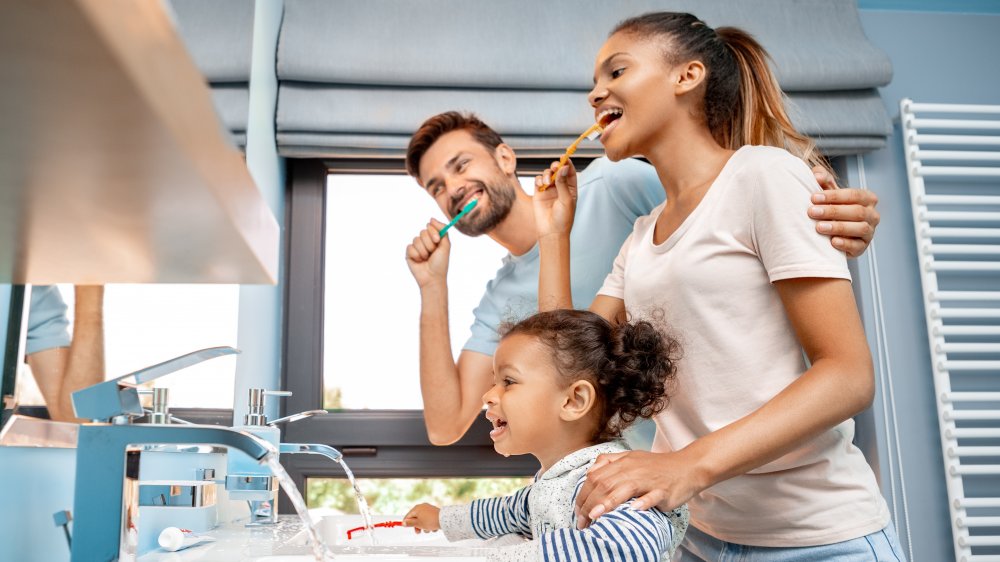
column 591, row 134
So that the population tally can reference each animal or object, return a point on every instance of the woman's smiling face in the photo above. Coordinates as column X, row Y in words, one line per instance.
column 632, row 95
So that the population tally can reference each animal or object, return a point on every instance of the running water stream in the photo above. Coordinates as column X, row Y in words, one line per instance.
column 363, row 509
column 319, row 548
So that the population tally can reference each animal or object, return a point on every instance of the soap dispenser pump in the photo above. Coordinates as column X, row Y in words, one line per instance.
column 246, row 479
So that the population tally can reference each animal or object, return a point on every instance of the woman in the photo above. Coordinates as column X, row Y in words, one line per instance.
column 756, row 441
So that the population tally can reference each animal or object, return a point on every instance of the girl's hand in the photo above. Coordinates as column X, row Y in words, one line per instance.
column 555, row 206
column 663, row 480
column 427, row 255
column 423, row 518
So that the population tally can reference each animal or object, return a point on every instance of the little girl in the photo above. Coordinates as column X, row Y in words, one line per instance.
column 567, row 383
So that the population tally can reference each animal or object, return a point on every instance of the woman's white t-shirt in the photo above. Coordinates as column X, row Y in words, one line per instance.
column 711, row 281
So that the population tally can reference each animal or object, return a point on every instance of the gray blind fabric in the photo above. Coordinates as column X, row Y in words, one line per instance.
column 219, row 36
column 357, row 78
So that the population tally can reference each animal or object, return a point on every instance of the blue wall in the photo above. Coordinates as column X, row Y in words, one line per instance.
column 953, row 6
column 937, row 57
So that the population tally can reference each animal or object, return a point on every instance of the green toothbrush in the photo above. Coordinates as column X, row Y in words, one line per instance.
column 468, row 207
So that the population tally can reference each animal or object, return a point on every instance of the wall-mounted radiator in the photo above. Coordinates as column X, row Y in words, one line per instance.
column 953, row 165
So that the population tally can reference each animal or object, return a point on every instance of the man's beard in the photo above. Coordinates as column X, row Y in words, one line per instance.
column 478, row 222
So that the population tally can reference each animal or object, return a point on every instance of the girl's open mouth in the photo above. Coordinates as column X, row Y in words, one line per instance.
column 499, row 427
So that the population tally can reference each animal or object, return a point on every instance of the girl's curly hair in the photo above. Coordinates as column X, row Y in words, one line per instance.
column 630, row 363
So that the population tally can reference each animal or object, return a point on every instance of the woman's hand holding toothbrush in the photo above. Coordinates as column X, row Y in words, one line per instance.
column 554, row 208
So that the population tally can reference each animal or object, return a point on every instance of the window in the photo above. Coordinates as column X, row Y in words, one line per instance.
column 395, row 496
column 372, row 307
column 351, row 313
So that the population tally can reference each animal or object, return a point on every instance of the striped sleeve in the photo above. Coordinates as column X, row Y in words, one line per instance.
column 490, row 517
column 624, row 535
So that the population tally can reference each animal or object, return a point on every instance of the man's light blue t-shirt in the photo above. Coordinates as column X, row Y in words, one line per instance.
column 47, row 321
column 611, row 196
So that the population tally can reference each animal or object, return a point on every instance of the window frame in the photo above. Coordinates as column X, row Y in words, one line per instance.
column 375, row 443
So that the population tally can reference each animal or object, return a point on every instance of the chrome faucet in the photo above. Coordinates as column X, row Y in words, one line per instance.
column 105, row 516
column 118, row 399
column 312, row 449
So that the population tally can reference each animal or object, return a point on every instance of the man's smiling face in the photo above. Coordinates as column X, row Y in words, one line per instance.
column 458, row 168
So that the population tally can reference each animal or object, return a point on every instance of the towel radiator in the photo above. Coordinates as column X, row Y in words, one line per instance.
column 953, row 165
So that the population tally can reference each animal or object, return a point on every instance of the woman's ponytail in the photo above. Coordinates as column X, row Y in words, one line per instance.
column 760, row 117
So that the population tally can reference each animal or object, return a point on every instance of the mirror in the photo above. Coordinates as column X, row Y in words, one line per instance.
column 12, row 308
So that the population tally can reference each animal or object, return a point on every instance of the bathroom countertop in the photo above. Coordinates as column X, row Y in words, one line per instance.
column 237, row 542
column 286, row 542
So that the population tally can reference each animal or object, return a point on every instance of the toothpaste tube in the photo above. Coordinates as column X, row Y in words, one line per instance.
column 173, row 539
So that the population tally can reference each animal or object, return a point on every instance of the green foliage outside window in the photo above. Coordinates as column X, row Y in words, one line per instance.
column 395, row 496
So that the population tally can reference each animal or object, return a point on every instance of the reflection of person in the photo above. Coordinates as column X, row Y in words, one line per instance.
column 456, row 157
column 566, row 384
column 758, row 442
column 62, row 365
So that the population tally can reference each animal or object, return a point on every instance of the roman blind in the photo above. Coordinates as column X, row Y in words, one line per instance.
column 219, row 36
column 357, row 78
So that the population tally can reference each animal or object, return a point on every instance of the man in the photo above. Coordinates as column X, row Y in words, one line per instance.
column 456, row 158
column 62, row 365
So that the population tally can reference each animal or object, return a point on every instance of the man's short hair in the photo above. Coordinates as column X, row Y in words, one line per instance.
column 433, row 128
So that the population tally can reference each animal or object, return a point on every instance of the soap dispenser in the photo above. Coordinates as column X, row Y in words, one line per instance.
column 246, row 479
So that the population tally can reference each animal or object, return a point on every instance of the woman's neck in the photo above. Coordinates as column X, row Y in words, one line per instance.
column 688, row 160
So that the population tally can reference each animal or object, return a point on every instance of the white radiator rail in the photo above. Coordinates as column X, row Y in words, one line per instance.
column 954, row 140
column 959, row 155
column 965, row 348
column 972, row 415
column 961, row 216
column 970, row 397
column 974, row 452
column 972, row 433
column 954, row 181
column 946, row 232
column 955, row 171
column 977, row 503
column 965, row 296
column 961, row 266
column 952, row 108
column 965, row 313
column 958, row 200
column 966, row 331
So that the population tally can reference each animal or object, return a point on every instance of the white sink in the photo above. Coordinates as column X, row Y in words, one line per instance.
column 392, row 544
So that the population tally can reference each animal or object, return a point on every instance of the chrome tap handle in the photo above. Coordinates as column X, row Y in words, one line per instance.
column 177, row 363
column 297, row 417
column 119, row 397
column 62, row 519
